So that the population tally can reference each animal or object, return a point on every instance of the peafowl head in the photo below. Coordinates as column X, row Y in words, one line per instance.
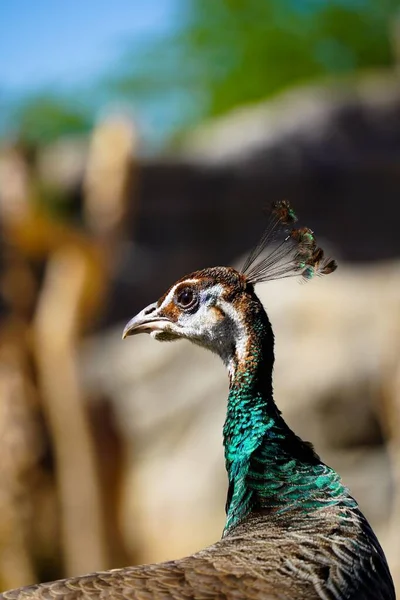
column 204, row 307
column 217, row 307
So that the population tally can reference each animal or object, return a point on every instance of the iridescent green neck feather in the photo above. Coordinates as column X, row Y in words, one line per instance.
column 270, row 469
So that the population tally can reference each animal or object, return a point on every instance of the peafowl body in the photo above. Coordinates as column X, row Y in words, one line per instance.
column 292, row 531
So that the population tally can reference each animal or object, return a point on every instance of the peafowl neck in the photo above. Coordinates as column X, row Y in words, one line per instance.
column 269, row 468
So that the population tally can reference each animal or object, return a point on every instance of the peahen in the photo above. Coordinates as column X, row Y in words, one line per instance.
column 292, row 530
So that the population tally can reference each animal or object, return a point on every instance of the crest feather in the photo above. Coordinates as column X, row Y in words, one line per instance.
column 297, row 254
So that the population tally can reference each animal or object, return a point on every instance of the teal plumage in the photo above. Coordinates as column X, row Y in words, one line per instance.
column 275, row 474
column 293, row 531
column 268, row 466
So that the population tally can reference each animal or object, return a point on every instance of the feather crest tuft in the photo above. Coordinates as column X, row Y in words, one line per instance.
column 297, row 254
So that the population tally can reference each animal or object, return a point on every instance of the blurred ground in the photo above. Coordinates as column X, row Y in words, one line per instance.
column 112, row 451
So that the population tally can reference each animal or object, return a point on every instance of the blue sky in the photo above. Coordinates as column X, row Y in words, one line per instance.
column 50, row 42
column 71, row 49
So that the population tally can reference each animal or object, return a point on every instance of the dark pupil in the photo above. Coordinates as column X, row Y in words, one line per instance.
column 185, row 297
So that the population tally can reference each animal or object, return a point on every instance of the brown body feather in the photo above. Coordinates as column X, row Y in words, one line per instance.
column 265, row 557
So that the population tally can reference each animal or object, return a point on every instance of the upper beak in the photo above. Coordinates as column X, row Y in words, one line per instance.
column 144, row 322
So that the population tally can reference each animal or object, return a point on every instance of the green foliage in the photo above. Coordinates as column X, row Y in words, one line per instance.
column 223, row 54
column 232, row 52
column 41, row 118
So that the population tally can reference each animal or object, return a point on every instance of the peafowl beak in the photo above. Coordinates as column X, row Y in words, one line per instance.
column 147, row 321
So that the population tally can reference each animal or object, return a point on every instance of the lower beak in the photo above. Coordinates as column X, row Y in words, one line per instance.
column 145, row 322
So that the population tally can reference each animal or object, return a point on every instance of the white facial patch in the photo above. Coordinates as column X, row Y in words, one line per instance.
column 227, row 335
column 238, row 333
column 201, row 324
column 224, row 334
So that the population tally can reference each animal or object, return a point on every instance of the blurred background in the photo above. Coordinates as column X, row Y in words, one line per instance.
column 138, row 142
